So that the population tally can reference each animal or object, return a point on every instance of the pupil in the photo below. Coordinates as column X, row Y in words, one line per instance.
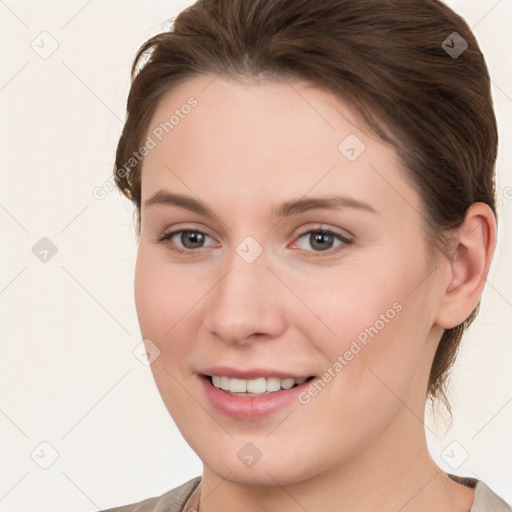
column 193, row 237
column 321, row 238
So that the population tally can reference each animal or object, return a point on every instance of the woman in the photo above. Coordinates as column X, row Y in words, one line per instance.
column 314, row 191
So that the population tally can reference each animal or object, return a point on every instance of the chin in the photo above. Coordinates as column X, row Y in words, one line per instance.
column 262, row 474
column 240, row 461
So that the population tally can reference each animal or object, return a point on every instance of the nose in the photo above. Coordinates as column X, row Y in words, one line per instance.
column 247, row 303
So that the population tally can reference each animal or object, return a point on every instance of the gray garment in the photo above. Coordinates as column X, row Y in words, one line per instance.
column 174, row 500
column 485, row 500
column 171, row 501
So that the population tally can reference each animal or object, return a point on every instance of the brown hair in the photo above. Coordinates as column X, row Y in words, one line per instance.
column 395, row 61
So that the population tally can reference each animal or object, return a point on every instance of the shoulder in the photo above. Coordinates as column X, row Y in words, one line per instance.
column 486, row 500
column 171, row 501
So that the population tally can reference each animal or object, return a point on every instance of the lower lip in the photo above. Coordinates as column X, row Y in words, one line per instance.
column 250, row 407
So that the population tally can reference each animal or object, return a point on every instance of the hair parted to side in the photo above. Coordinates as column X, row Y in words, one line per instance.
column 382, row 56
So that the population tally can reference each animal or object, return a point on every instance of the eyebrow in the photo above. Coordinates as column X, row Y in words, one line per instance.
column 292, row 207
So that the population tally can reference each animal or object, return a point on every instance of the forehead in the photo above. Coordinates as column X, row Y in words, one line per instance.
column 255, row 115
column 268, row 136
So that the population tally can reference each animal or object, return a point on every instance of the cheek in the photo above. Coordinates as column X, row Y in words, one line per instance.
column 379, row 318
column 169, row 300
column 162, row 298
column 163, row 294
column 353, row 303
column 149, row 297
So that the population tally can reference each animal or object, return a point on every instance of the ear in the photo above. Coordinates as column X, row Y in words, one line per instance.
column 475, row 242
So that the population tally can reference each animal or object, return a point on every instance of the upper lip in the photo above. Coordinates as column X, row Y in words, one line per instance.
column 251, row 373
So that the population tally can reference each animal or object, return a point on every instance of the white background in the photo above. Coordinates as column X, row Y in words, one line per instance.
column 69, row 327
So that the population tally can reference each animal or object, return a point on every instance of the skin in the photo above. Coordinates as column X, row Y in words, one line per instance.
column 359, row 444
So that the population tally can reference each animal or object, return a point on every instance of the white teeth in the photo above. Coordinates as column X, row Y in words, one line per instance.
column 287, row 383
column 254, row 386
column 238, row 386
column 273, row 384
column 224, row 383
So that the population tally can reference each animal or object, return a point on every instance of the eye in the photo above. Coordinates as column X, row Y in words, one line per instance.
column 189, row 238
column 321, row 240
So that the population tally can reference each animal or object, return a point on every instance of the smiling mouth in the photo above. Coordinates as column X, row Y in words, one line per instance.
column 254, row 387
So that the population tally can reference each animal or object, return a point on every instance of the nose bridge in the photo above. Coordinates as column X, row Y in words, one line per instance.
column 247, row 299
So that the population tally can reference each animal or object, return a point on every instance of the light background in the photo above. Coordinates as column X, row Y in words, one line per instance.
column 69, row 327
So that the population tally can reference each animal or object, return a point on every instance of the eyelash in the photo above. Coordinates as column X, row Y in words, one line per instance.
column 346, row 242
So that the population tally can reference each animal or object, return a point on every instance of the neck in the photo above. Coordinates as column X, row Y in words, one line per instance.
column 393, row 472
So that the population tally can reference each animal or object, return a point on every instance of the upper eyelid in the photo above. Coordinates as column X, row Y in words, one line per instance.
column 297, row 232
column 343, row 233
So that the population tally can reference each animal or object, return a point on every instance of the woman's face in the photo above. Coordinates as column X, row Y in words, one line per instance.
column 263, row 283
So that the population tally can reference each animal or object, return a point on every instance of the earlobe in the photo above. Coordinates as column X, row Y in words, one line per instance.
column 475, row 242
